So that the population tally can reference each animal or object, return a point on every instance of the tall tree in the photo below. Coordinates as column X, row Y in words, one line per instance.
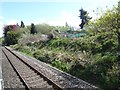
column 66, row 24
column 22, row 24
column 84, row 17
column 6, row 29
column 17, row 24
column 110, row 22
column 117, row 23
column 33, row 29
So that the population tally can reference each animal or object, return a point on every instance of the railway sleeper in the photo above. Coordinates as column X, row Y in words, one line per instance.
column 32, row 78
column 34, row 81
column 23, row 67
column 26, row 72
column 43, row 84
column 29, row 75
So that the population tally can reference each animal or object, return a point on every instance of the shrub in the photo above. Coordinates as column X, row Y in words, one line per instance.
column 44, row 28
column 112, row 78
column 12, row 38
column 60, row 65
column 24, row 49
column 42, row 56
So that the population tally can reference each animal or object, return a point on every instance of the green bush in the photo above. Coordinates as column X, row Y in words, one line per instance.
column 42, row 56
column 76, row 69
column 101, row 71
column 24, row 49
column 60, row 65
column 12, row 38
column 112, row 78
column 44, row 28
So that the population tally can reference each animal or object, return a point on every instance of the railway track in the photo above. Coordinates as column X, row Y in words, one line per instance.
column 34, row 79
column 30, row 77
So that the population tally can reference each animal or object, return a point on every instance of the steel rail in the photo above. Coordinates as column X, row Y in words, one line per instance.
column 38, row 72
column 24, row 83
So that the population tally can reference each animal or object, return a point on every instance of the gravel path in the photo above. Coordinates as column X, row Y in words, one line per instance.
column 11, row 80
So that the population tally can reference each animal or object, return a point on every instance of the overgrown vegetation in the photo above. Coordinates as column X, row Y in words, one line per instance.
column 93, row 63
column 94, row 58
column 11, row 38
column 1, row 40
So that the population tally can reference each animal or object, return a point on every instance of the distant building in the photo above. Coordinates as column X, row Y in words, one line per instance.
column 73, row 34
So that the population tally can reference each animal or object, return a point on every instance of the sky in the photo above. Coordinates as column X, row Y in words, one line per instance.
column 52, row 12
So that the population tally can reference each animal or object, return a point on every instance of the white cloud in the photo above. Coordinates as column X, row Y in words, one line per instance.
column 60, row 20
column 1, row 26
column 11, row 22
column 1, row 29
column 64, row 17
column 8, row 22
column 1, row 17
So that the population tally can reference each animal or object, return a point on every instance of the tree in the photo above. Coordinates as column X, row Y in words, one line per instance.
column 33, row 29
column 11, row 38
column 117, row 24
column 66, row 24
column 44, row 28
column 6, row 29
column 17, row 24
column 22, row 24
column 9, row 28
column 84, row 16
column 109, row 22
